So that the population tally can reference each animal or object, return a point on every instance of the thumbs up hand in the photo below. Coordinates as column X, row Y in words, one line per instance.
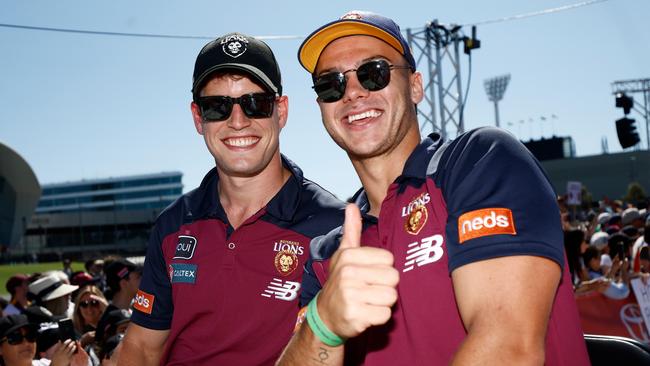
column 361, row 287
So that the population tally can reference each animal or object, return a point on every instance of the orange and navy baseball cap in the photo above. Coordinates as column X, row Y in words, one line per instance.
column 352, row 23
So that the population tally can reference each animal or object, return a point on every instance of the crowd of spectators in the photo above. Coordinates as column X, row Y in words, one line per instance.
column 607, row 246
column 63, row 317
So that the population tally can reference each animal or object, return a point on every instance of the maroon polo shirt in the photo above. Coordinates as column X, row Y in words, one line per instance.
column 480, row 196
column 229, row 297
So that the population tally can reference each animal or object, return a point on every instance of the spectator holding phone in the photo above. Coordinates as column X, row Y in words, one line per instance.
column 17, row 340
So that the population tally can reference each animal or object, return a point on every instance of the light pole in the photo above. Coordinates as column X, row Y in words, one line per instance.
column 495, row 88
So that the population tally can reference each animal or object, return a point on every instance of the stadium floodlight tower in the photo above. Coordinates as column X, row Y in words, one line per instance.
column 495, row 88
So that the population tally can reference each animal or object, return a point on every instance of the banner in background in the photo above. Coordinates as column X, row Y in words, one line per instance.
column 602, row 315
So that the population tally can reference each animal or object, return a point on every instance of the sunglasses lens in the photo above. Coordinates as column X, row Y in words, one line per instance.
column 374, row 75
column 219, row 108
column 330, row 87
column 257, row 105
column 16, row 337
column 86, row 303
column 31, row 335
column 216, row 108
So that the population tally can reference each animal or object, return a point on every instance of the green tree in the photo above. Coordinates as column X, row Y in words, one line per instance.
column 635, row 193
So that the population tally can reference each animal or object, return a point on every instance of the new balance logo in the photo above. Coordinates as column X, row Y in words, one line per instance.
column 282, row 290
column 427, row 251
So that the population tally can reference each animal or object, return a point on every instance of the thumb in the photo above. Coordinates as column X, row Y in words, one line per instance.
column 351, row 227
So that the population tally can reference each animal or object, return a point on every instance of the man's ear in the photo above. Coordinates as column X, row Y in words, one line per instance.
column 196, row 116
column 417, row 90
column 283, row 110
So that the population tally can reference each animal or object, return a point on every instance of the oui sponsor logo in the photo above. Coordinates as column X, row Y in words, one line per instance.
column 185, row 247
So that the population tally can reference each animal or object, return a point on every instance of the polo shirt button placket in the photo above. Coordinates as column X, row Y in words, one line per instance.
column 229, row 260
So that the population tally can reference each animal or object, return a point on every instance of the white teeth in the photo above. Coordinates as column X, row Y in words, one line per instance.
column 241, row 141
column 367, row 114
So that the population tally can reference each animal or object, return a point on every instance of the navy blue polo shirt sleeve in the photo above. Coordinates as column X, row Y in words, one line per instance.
column 321, row 248
column 152, row 307
column 310, row 284
column 499, row 200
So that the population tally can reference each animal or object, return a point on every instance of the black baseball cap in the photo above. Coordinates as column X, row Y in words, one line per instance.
column 12, row 322
column 119, row 269
column 236, row 51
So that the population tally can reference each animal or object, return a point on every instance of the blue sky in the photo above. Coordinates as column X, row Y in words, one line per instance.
column 80, row 106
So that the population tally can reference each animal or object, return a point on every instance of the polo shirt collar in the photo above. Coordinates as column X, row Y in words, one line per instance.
column 417, row 163
column 415, row 167
column 205, row 202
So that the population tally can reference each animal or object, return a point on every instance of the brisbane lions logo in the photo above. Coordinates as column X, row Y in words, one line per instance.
column 286, row 262
column 416, row 220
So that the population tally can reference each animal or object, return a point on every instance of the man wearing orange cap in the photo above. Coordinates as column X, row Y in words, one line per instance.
column 457, row 254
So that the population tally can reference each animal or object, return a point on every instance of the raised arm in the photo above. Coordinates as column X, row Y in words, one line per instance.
column 358, row 293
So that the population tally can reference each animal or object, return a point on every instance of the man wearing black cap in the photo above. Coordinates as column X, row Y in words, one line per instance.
column 224, row 262
column 122, row 279
column 462, row 259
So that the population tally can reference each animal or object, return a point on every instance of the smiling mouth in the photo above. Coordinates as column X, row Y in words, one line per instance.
column 241, row 141
column 362, row 116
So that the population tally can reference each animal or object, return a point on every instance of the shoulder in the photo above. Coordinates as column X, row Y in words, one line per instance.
column 485, row 150
column 324, row 246
column 483, row 142
column 320, row 207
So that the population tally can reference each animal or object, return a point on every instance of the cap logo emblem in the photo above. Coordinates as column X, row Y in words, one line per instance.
column 234, row 45
column 351, row 16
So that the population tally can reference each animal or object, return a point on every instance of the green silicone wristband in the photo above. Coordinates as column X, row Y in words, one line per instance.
column 319, row 328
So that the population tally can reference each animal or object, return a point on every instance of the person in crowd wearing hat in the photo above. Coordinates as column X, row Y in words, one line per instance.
column 17, row 340
column 17, row 286
column 52, row 293
column 599, row 240
column 50, row 351
column 457, row 255
column 110, row 353
column 240, row 239
column 632, row 216
column 122, row 279
column 115, row 322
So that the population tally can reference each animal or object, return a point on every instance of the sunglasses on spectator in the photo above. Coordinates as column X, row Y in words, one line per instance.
column 218, row 108
column 17, row 336
column 86, row 303
column 373, row 75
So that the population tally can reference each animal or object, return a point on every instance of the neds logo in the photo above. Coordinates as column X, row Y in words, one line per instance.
column 484, row 222
column 143, row 302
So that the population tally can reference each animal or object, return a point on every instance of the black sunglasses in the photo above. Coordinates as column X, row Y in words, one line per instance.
column 17, row 336
column 373, row 75
column 218, row 107
column 86, row 303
